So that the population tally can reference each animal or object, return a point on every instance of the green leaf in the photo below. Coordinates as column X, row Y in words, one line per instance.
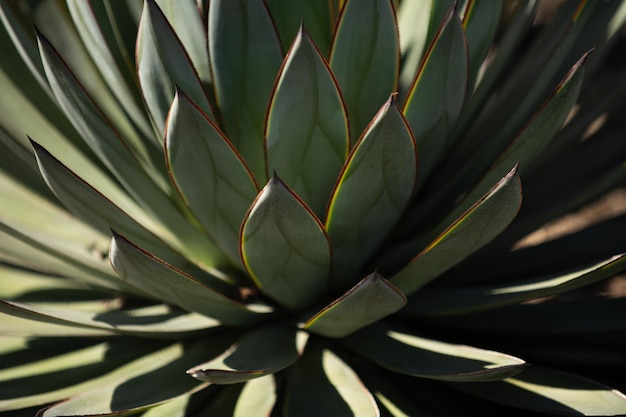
column 284, row 247
column 409, row 354
column 480, row 224
column 245, row 57
column 367, row 302
column 373, row 190
column 257, row 398
column 413, row 23
column 143, row 322
column 259, row 352
column 365, row 58
column 480, row 21
column 307, row 135
column 132, row 389
column 316, row 17
column 165, row 283
column 98, row 211
column 66, row 369
column 209, row 173
column 554, row 392
column 436, row 97
column 338, row 390
column 162, row 65
column 96, row 32
column 448, row 301
column 186, row 20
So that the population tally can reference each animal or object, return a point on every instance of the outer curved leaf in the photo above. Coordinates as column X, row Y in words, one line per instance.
column 284, row 247
column 436, row 97
column 367, row 302
column 132, row 390
column 553, row 392
column 211, row 177
column 166, row 283
column 372, row 191
column 412, row 355
column 338, row 390
column 413, row 22
column 367, row 70
column 471, row 299
column 481, row 21
column 257, row 353
column 254, row 398
column 145, row 322
column 480, row 224
column 163, row 64
column 245, row 56
column 88, row 204
column 307, row 129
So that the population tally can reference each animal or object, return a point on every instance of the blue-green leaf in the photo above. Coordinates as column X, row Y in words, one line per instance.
column 245, row 57
column 284, row 247
column 307, row 129
column 369, row 301
column 553, row 392
column 448, row 301
column 367, row 69
column 413, row 355
column 373, row 190
column 436, row 97
column 259, row 352
column 164, row 282
column 163, row 64
column 209, row 173
column 479, row 225
column 481, row 21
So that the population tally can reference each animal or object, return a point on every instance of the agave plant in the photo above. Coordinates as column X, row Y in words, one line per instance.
column 255, row 208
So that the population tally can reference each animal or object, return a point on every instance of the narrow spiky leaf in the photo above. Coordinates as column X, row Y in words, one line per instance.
column 284, row 247
column 436, row 97
column 307, row 129
column 479, row 225
column 410, row 354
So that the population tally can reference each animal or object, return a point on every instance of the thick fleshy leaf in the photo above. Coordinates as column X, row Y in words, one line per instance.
column 480, row 21
column 88, row 204
column 369, row 301
column 284, row 247
column 373, row 190
column 150, row 321
column 480, row 224
column 338, row 390
column 436, row 97
column 367, row 70
column 164, row 282
column 413, row 22
column 307, row 128
column 92, row 23
column 245, row 57
column 316, row 17
column 163, row 64
column 409, row 354
column 448, row 301
column 67, row 368
column 132, row 388
column 554, row 392
column 186, row 20
column 209, row 173
column 259, row 352
column 174, row 408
